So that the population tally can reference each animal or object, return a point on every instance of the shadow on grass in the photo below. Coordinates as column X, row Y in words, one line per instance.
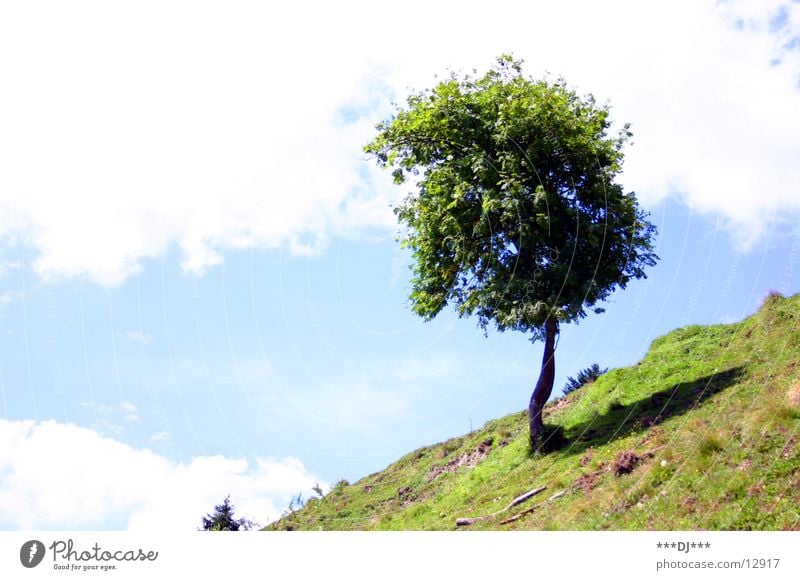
column 640, row 415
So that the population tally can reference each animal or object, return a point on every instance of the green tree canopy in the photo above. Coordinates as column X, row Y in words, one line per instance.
column 222, row 520
column 516, row 217
column 583, row 378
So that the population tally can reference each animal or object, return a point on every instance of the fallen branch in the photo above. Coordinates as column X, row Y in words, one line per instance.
column 531, row 509
column 525, row 496
column 516, row 501
column 528, row 495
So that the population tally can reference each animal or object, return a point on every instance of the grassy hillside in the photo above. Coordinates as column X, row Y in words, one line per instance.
column 703, row 433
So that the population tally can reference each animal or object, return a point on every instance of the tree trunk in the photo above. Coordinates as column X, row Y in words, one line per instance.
column 544, row 386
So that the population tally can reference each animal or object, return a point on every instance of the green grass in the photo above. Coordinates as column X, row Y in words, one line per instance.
column 712, row 414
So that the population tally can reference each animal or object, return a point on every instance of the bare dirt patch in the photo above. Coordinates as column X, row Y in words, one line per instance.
column 587, row 457
column 558, row 405
column 407, row 496
column 625, row 462
column 587, row 481
column 755, row 490
column 467, row 459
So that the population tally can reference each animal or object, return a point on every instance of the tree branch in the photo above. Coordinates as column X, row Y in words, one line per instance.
column 531, row 509
column 516, row 501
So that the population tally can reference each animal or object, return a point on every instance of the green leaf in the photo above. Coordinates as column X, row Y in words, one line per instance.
column 518, row 216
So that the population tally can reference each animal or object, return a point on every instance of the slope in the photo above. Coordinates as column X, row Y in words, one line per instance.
column 703, row 433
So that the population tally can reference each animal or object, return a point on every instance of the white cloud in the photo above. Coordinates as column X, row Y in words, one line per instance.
column 140, row 337
column 715, row 125
column 130, row 412
column 234, row 125
column 56, row 475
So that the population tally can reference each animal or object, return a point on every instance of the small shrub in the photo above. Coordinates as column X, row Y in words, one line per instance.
column 296, row 503
column 584, row 377
column 710, row 444
column 772, row 297
column 223, row 520
column 447, row 449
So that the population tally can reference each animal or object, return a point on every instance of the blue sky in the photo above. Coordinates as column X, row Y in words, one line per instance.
column 200, row 291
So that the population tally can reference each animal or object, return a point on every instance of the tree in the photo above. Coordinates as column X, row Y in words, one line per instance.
column 516, row 218
column 222, row 519
column 584, row 377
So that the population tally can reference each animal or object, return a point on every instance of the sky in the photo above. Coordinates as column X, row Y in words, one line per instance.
column 200, row 289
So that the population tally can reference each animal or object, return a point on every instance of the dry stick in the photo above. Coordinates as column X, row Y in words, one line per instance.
column 524, row 513
column 530, row 509
column 516, row 501
column 526, row 496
